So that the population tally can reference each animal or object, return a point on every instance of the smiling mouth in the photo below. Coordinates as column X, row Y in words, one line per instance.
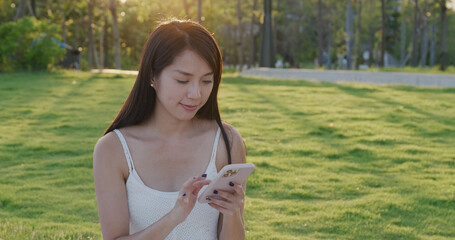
column 189, row 107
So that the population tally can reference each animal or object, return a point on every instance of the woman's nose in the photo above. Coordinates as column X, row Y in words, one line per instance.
column 194, row 91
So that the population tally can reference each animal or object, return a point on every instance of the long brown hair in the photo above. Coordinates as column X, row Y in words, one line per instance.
column 164, row 44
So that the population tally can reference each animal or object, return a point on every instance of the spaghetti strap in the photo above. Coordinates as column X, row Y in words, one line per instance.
column 129, row 160
column 215, row 147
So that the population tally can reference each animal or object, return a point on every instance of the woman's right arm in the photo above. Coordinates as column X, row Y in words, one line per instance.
column 108, row 161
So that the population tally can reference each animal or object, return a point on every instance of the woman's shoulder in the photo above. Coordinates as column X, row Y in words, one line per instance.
column 232, row 133
column 236, row 143
column 108, row 152
column 107, row 142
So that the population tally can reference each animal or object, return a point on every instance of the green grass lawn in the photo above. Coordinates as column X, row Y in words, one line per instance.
column 333, row 161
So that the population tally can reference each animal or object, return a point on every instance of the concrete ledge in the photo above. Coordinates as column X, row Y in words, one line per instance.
column 337, row 76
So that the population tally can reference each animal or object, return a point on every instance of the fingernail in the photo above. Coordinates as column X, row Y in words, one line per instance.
column 209, row 199
column 184, row 194
column 204, row 175
column 215, row 191
column 231, row 184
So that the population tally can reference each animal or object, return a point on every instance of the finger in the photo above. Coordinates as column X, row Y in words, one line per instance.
column 221, row 202
column 223, row 195
column 221, row 209
column 197, row 186
column 200, row 184
column 188, row 185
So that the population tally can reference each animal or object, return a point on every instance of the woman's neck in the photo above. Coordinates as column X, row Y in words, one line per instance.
column 163, row 125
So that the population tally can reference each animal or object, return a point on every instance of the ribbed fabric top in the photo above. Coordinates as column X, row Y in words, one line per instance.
column 147, row 205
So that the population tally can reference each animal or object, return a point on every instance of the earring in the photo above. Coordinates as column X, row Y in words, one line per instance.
column 151, row 84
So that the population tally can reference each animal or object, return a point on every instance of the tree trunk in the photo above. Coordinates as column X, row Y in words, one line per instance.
column 20, row 13
column 252, row 38
column 433, row 45
column 240, row 35
column 106, row 63
column 274, row 30
column 320, row 37
column 371, row 37
column 330, row 43
column 443, row 35
column 64, row 29
column 403, row 40
column 424, row 46
column 113, row 8
column 199, row 11
column 359, row 34
column 186, row 6
column 63, row 23
column 424, row 40
column 267, row 51
column 102, row 45
column 76, row 34
column 349, row 33
column 383, row 33
column 33, row 7
column 30, row 9
column 92, row 52
column 415, row 34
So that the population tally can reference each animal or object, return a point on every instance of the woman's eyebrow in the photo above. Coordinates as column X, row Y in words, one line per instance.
column 189, row 74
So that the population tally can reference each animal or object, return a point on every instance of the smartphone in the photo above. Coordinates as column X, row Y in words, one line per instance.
column 236, row 173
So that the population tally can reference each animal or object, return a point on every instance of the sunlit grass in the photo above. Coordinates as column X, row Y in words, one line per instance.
column 333, row 161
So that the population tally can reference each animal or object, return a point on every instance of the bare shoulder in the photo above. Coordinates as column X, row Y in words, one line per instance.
column 108, row 154
column 110, row 170
column 236, row 143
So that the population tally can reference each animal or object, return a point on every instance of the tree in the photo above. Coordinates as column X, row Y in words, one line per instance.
column 240, row 34
column 252, row 36
column 199, row 11
column 92, row 55
column 267, row 58
column 349, row 33
column 415, row 35
column 383, row 33
column 113, row 9
column 444, row 54
column 359, row 34
column 320, row 33
column 424, row 41
column 21, row 10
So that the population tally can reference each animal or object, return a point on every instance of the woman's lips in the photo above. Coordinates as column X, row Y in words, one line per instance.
column 189, row 107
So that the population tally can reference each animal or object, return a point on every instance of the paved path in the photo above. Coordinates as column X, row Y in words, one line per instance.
column 115, row 71
column 337, row 76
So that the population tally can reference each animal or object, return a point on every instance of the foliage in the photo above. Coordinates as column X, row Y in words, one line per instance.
column 333, row 161
column 28, row 45
column 295, row 27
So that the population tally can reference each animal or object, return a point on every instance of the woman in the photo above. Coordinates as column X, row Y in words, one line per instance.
column 167, row 142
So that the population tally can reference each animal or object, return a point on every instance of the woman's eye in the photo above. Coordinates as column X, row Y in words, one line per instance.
column 181, row 81
column 207, row 81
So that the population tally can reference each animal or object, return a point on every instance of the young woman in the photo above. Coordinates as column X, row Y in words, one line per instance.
column 167, row 142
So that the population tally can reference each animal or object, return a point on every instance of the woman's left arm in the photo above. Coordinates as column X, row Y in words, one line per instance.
column 230, row 205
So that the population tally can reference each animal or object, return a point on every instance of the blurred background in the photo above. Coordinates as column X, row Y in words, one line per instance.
column 323, row 34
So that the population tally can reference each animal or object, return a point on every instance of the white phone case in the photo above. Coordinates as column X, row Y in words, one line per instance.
column 236, row 173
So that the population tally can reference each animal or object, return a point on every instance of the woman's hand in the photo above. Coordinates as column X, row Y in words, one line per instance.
column 188, row 197
column 226, row 202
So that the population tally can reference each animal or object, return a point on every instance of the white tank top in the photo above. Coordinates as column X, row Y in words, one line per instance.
column 147, row 205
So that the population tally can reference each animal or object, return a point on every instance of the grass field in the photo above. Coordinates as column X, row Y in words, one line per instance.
column 333, row 161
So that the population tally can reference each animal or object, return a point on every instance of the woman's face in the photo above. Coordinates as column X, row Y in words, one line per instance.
column 184, row 86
